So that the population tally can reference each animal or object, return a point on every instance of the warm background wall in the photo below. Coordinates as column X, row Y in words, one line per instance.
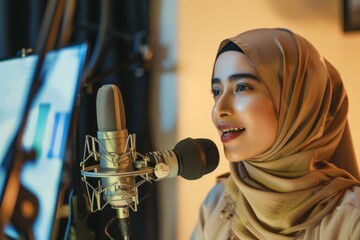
column 187, row 35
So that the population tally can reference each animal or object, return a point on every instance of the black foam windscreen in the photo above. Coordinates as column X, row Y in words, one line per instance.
column 196, row 157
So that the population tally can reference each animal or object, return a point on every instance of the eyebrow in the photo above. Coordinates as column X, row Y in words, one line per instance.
column 236, row 76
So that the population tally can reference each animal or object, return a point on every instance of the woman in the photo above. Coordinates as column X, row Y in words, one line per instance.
column 281, row 112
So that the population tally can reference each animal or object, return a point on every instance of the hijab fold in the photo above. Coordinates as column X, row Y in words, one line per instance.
column 293, row 185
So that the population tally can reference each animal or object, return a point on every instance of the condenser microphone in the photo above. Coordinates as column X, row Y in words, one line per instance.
column 112, row 135
column 119, row 162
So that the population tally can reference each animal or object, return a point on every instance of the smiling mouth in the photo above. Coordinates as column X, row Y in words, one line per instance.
column 227, row 132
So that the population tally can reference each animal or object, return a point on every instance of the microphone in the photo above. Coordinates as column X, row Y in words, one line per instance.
column 120, row 163
column 112, row 135
column 190, row 158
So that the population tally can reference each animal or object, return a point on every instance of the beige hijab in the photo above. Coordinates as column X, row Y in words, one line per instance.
column 293, row 185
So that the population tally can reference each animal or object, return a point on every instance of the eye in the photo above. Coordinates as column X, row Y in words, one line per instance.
column 243, row 87
column 215, row 92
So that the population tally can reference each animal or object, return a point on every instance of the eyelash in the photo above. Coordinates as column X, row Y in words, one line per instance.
column 243, row 86
column 238, row 88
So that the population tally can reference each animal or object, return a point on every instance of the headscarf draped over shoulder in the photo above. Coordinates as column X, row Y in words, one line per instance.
column 293, row 185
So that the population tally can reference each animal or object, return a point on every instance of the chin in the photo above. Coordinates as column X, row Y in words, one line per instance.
column 234, row 157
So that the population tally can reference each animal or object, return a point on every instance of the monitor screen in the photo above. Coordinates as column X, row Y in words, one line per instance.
column 47, row 132
column 16, row 77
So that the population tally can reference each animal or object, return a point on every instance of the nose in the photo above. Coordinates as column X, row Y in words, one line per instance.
column 223, row 106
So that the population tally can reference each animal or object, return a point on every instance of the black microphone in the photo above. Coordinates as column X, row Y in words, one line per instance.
column 190, row 158
column 112, row 135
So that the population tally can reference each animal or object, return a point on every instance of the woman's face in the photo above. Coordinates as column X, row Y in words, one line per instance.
column 243, row 112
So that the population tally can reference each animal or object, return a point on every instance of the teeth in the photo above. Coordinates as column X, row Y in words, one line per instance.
column 233, row 130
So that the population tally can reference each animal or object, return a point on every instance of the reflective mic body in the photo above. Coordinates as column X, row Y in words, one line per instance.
column 112, row 135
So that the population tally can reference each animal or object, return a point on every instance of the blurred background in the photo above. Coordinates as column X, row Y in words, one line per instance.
column 160, row 53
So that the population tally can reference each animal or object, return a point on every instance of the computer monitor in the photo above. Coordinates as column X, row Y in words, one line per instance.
column 16, row 77
column 47, row 132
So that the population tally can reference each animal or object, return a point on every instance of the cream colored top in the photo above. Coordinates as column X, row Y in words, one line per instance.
column 343, row 223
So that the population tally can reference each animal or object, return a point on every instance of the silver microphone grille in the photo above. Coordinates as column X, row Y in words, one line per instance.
column 110, row 109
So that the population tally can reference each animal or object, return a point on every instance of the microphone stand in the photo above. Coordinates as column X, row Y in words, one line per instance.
column 123, row 217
